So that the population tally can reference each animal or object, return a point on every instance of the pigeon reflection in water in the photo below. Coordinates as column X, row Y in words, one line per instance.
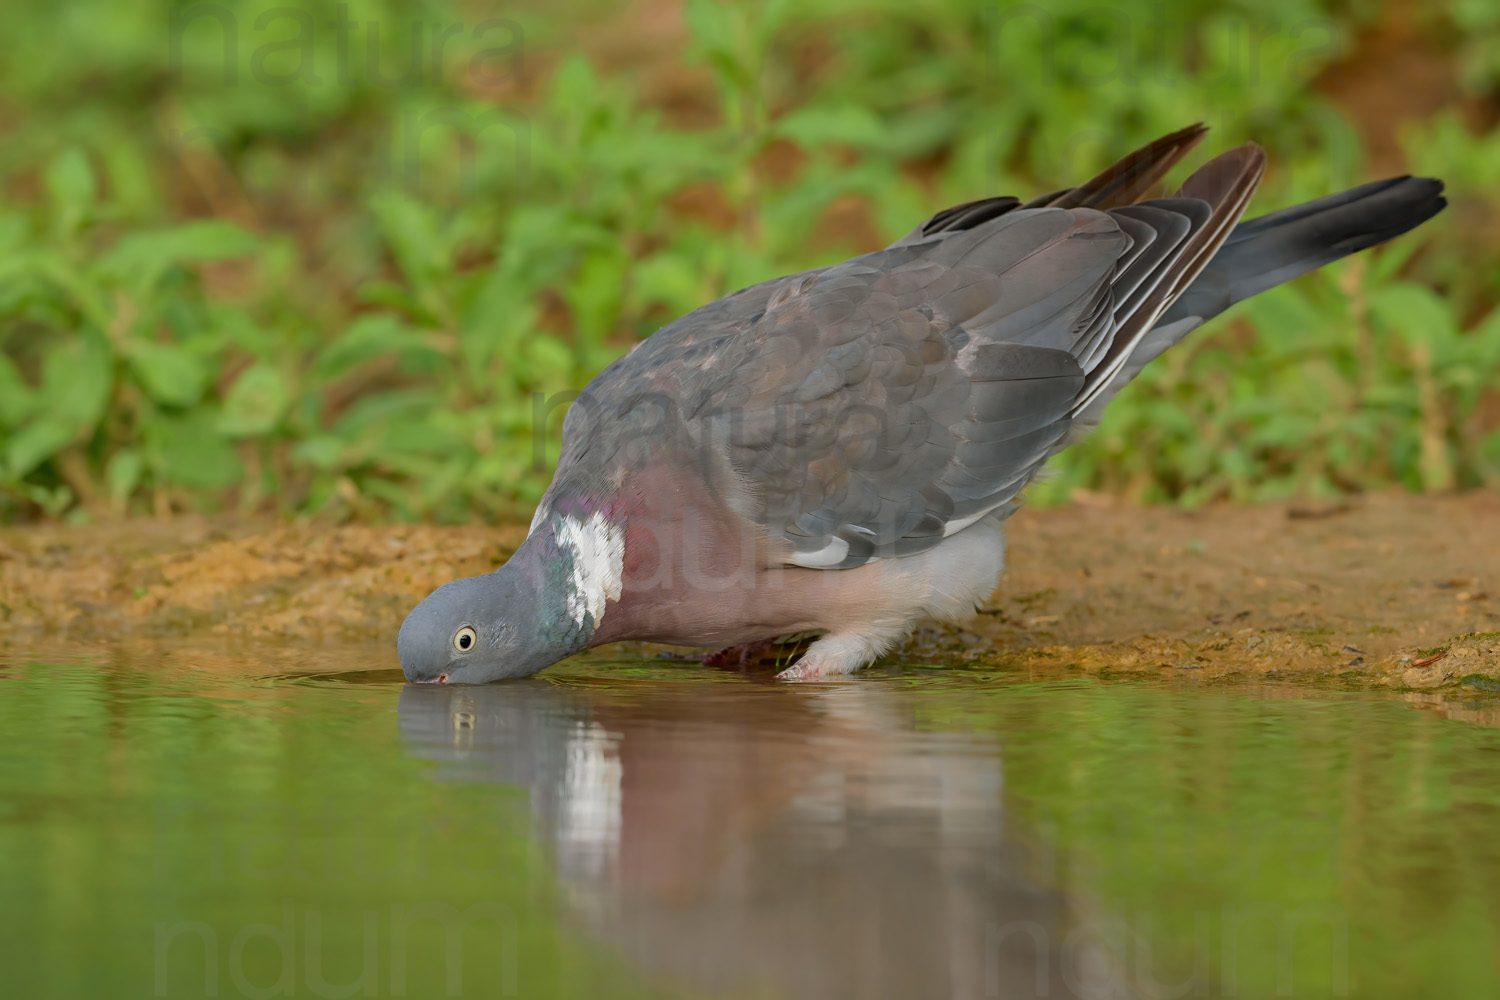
column 697, row 833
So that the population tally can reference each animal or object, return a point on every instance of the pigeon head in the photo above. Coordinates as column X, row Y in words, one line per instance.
column 484, row 628
column 540, row 607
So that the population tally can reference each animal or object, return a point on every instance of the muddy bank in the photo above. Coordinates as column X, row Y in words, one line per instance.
column 1392, row 590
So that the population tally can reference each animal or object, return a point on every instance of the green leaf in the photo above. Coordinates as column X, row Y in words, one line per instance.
column 141, row 259
column 321, row 450
column 412, row 234
column 52, row 501
column 719, row 31
column 85, row 293
column 71, row 188
column 16, row 397
column 169, row 374
column 371, row 337
column 404, row 405
column 190, row 451
column 77, row 378
column 815, row 127
column 1414, row 312
column 669, row 277
column 123, row 474
column 548, row 361
column 196, row 242
column 500, row 313
column 36, row 443
column 593, row 296
column 255, row 403
column 1388, row 259
column 15, row 233
column 574, row 88
column 1286, row 320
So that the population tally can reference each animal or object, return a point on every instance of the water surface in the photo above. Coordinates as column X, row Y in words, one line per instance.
column 183, row 824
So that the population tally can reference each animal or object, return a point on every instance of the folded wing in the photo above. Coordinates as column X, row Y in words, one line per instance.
column 892, row 400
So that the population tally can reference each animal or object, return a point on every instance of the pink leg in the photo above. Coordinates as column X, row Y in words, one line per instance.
column 766, row 652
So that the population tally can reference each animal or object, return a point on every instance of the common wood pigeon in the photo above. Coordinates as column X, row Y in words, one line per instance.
column 834, row 452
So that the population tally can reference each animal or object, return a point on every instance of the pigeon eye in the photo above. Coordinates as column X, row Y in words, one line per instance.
column 464, row 639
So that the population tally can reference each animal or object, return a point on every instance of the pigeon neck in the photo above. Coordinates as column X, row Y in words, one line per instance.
column 575, row 561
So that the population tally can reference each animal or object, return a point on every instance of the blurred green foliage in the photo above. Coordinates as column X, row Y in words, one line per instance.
column 336, row 257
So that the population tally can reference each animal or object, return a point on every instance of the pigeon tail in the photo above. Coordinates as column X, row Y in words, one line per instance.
column 1264, row 252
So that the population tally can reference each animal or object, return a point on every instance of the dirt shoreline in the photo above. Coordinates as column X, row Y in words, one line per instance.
column 1391, row 590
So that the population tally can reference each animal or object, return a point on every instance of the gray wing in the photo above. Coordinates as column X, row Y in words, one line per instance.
column 707, row 333
column 872, row 408
column 899, row 397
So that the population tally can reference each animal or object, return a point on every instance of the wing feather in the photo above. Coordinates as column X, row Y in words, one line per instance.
column 868, row 409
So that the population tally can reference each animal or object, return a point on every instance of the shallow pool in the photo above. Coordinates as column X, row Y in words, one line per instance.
column 184, row 823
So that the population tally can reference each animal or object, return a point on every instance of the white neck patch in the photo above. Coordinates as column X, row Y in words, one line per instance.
column 598, row 551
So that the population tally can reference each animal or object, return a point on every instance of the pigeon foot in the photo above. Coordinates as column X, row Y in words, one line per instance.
column 834, row 655
column 809, row 668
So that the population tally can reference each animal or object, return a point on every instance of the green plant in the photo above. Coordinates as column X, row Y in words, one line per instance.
column 124, row 343
column 265, row 269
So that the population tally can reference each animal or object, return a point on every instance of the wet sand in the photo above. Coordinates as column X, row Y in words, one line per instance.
column 1391, row 590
